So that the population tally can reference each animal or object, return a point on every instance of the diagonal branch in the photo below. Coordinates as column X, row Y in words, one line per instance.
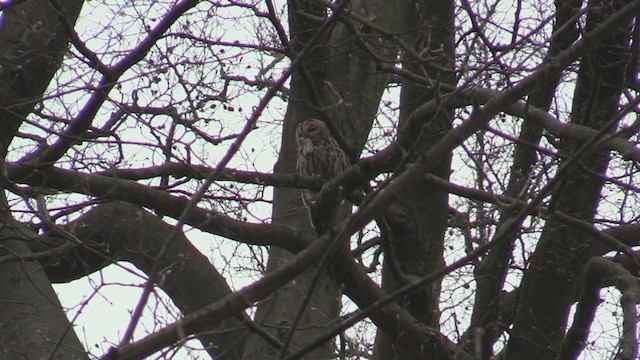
column 48, row 155
column 600, row 271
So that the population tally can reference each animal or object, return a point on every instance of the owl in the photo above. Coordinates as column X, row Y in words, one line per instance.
column 318, row 155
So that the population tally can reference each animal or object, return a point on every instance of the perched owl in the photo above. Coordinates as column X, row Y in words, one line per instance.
column 318, row 155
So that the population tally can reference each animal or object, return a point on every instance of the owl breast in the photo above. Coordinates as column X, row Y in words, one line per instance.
column 305, row 146
column 319, row 155
column 318, row 152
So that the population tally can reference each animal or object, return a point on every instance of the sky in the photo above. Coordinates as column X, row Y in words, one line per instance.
column 100, row 305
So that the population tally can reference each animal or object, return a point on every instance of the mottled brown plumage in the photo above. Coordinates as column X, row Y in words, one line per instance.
column 318, row 155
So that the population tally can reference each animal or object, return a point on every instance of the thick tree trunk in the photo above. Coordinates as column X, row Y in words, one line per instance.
column 490, row 274
column 33, row 40
column 33, row 324
column 277, row 313
column 417, row 230
column 548, row 286
column 335, row 83
column 119, row 231
column 340, row 81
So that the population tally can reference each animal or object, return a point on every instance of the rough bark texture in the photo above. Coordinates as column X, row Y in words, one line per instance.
column 33, row 40
column 33, row 323
column 120, row 231
column 277, row 313
column 330, row 78
column 491, row 273
column 548, row 286
column 417, row 235
column 340, row 81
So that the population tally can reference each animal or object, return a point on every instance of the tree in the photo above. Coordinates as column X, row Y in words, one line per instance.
column 484, row 213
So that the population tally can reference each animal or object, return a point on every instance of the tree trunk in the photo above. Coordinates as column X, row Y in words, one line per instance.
column 33, row 323
column 548, row 287
column 33, row 40
column 334, row 83
column 491, row 273
column 415, row 241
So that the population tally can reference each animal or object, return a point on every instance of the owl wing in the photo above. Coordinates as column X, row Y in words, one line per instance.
column 321, row 157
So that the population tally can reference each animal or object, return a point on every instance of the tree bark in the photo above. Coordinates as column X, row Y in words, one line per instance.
column 415, row 241
column 119, row 231
column 548, row 287
column 34, row 39
column 490, row 274
column 33, row 323
column 328, row 86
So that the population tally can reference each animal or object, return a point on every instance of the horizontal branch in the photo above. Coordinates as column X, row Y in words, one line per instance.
column 607, row 237
column 201, row 172
column 111, row 188
column 119, row 185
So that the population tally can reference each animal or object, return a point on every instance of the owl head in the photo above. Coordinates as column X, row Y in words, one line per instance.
column 313, row 131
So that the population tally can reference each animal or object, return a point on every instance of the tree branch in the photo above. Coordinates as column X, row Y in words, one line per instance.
column 157, row 200
column 599, row 271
